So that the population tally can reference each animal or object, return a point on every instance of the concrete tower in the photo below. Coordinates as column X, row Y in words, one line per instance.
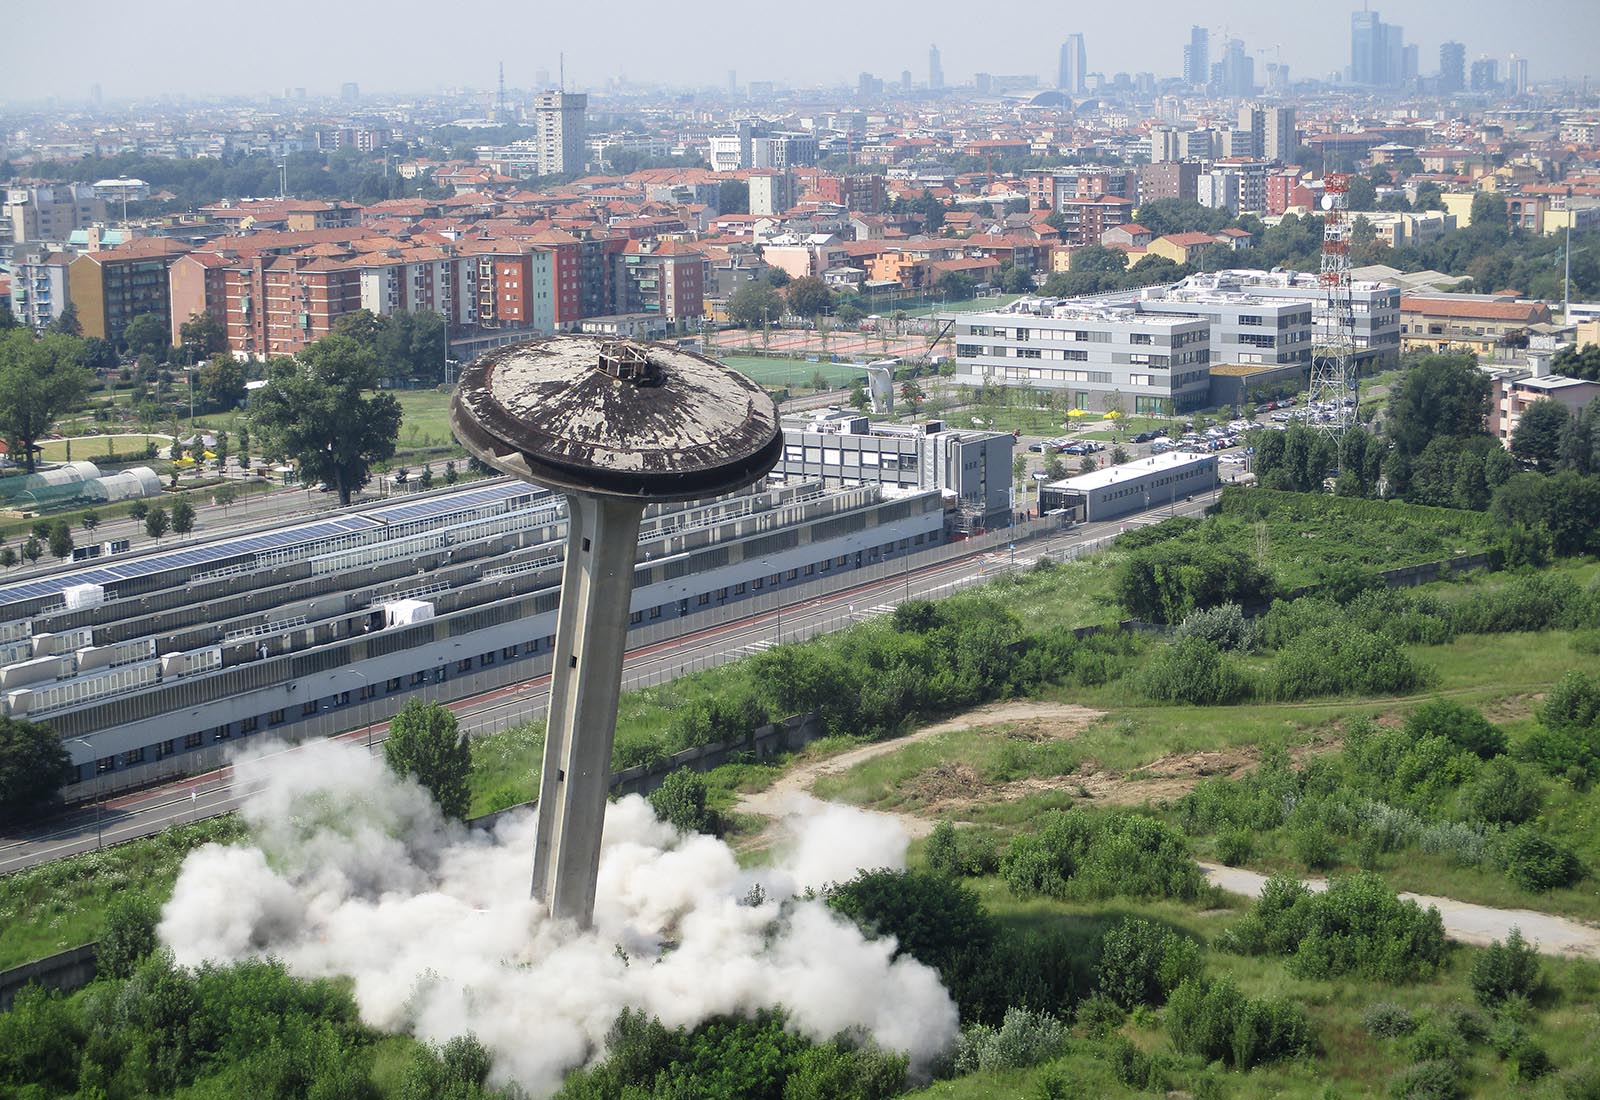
column 614, row 425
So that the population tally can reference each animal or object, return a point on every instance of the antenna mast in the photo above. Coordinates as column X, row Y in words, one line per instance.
column 1333, row 377
column 501, row 112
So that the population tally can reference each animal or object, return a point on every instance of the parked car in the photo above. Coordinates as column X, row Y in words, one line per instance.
column 1144, row 437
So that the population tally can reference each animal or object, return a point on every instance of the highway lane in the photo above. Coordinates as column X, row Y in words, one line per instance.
column 146, row 812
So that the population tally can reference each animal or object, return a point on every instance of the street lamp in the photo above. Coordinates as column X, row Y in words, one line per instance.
column 99, row 804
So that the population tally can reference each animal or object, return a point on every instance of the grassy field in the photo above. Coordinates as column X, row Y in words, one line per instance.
column 793, row 373
column 62, row 904
column 128, row 443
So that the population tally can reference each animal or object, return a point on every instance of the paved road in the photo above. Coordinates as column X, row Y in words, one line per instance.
column 146, row 812
column 1476, row 924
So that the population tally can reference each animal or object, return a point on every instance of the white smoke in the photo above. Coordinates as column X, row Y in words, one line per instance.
column 354, row 873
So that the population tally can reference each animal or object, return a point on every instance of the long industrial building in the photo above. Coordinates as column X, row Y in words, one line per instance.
column 144, row 660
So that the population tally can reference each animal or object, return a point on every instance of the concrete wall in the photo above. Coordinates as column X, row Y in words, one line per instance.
column 66, row 971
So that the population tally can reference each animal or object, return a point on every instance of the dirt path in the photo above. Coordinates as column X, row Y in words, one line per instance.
column 1463, row 921
column 794, row 786
column 1476, row 924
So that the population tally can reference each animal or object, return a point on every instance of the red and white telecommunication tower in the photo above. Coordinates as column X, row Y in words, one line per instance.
column 1333, row 375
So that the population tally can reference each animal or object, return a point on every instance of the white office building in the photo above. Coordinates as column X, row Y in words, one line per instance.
column 1101, row 355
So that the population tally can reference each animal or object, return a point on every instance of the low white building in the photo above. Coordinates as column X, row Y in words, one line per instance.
column 1131, row 487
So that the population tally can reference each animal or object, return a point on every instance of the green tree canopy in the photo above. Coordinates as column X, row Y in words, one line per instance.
column 202, row 336
column 33, row 766
column 39, row 380
column 755, row 303
column 221, row 381
column 66, row 323
column 1537, row 438
column 147, row 334
column 1442, row 395
column 425, row 743
column 808, row 297
column 313, row 411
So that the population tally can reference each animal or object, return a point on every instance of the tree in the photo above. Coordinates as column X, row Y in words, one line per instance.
column 39, row 380
column 67, row 323
column 33, row 766
column 957, row 286
column 147, row 334
column 8, row 320
column 849, row 314
column 221, row 381
column 182, row 517
column 425, row 744
column 8, row 557
column 858, row 396
column 203, row 335
column 680, row 801
column 224, row 495
column 60, row 539
column 1538, row 435
column 314, row 412
column 90, row 520
column 755, row 303
column 156, row 522
column 138, row 510
column 129, row 935
column 33, row 550
column 97, row 354
column 733, row 197
column 808, row 297
column 911, row 393
column 451, row 476
column 1441, row 395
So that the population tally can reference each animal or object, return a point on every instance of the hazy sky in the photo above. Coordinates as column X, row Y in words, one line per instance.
column 233, row 47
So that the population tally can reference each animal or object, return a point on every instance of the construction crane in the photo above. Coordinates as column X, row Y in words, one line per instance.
column 1333, row 376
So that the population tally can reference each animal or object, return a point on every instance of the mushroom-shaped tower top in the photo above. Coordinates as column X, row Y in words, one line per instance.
column 616, row 418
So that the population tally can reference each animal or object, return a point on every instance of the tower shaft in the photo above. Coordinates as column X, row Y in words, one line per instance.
column 585, row 685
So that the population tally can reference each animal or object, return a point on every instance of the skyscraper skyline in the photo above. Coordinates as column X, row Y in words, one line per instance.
column 1072, row 74
column 935, row 69
column 1197, row 57
column 1452, row 67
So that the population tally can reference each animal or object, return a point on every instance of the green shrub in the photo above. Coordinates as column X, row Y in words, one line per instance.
column 1573, row 705
column 1212, row 1020
column 1340, row 659
column 1099, row 1014
column 1536, row 602
column 1224, row 627
column 1356, row 926
column 1427, row 1081
column 1077, row 854
column 680, row 801
column 129, row 936
column 1193, row 671
column 1235, row 846
column 837, row 1070
column 1164, row 582
column 1314, row 849
column 1501, row 795
column 1023, row 1039
column 1537, row 863
column 1505, row 970
column 1461, row 725
column 962, row 852
column 1142, row 962
column 1388, row 1021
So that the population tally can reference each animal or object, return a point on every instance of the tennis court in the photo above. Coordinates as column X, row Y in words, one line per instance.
column 792, row 372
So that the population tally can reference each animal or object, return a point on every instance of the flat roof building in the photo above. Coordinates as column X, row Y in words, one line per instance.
column 1100, row 355
column 1132, row 487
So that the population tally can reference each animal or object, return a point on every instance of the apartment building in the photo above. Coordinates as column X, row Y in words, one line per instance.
column 559, row 118
column 39, row 288
column 1087, row 219
column 197, row 283
column 276, row 305
column 1169, row 180
column 111, row 288
column 1102, row 355
column 419, row 279
column 1050, row 187
column 663, row 277
column 49, row 213
column 1515, row 390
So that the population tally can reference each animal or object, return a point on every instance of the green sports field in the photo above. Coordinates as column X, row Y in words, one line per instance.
column 792, row 372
